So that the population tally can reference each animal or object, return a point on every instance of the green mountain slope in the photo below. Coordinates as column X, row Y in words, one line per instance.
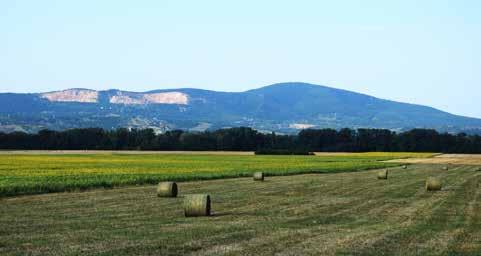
column 285, row 107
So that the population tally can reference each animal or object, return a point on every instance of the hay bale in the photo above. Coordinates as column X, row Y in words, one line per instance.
column 197, row 205
column 382, row 175
column 445, row 168
column 433, row 184
column 405, row 166
column 258, row 176
column 167, row 189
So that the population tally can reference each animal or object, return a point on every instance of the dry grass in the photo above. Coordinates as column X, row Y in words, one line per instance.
column 433, row 184
column 395, row 155
column 167, row 189
column 258, row 176
column 459, row 159
column 382, row 175
column 197, row 205
column 316, row 214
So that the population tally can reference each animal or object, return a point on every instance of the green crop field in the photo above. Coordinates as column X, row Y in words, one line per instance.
column 313, row 214
column 43, row 173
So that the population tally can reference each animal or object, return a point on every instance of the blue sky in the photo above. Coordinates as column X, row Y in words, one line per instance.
column 425, row 52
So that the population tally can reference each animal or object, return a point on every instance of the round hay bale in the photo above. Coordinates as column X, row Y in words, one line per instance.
column 445, row 168
column 258, row 176
column 405, row 166
column 382, row 175
column 167, row 189
column 197, row 205
column 433, row 184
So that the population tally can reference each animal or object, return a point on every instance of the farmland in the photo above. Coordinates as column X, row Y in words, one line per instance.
column 56, row 172
column 313, row 214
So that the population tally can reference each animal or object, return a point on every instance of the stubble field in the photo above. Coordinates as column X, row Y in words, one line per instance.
column 315, row 214
column 334, row 205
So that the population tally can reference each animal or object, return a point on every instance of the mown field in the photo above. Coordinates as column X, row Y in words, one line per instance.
column 314, row 214
column 34, row 173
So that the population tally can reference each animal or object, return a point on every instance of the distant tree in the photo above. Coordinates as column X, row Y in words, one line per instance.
column 246, row 139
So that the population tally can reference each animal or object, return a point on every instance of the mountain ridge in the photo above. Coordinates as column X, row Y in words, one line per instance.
column 282, row 107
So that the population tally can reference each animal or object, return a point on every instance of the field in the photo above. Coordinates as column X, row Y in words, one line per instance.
column 458, row 159
column 44, row 172
column 313, row 214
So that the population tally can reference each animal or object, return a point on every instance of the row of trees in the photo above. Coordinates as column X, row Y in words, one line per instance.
column 245, row 139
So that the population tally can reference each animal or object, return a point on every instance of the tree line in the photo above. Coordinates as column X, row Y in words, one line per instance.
column 245, row 139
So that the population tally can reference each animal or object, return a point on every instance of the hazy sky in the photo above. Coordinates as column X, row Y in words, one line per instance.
column 426, row 52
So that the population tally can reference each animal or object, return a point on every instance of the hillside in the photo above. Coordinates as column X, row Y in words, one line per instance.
column 285, row 107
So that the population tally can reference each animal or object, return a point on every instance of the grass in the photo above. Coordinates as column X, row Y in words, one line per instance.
column 326, row 214
column 390, row 155
column 34, row 174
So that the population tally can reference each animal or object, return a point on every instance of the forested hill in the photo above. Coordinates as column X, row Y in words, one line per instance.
column 245, row 139
column 286, row 107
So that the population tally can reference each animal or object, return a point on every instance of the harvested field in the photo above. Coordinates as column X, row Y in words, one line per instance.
column 459, row 159
column 314, row 214
column 395, row 155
